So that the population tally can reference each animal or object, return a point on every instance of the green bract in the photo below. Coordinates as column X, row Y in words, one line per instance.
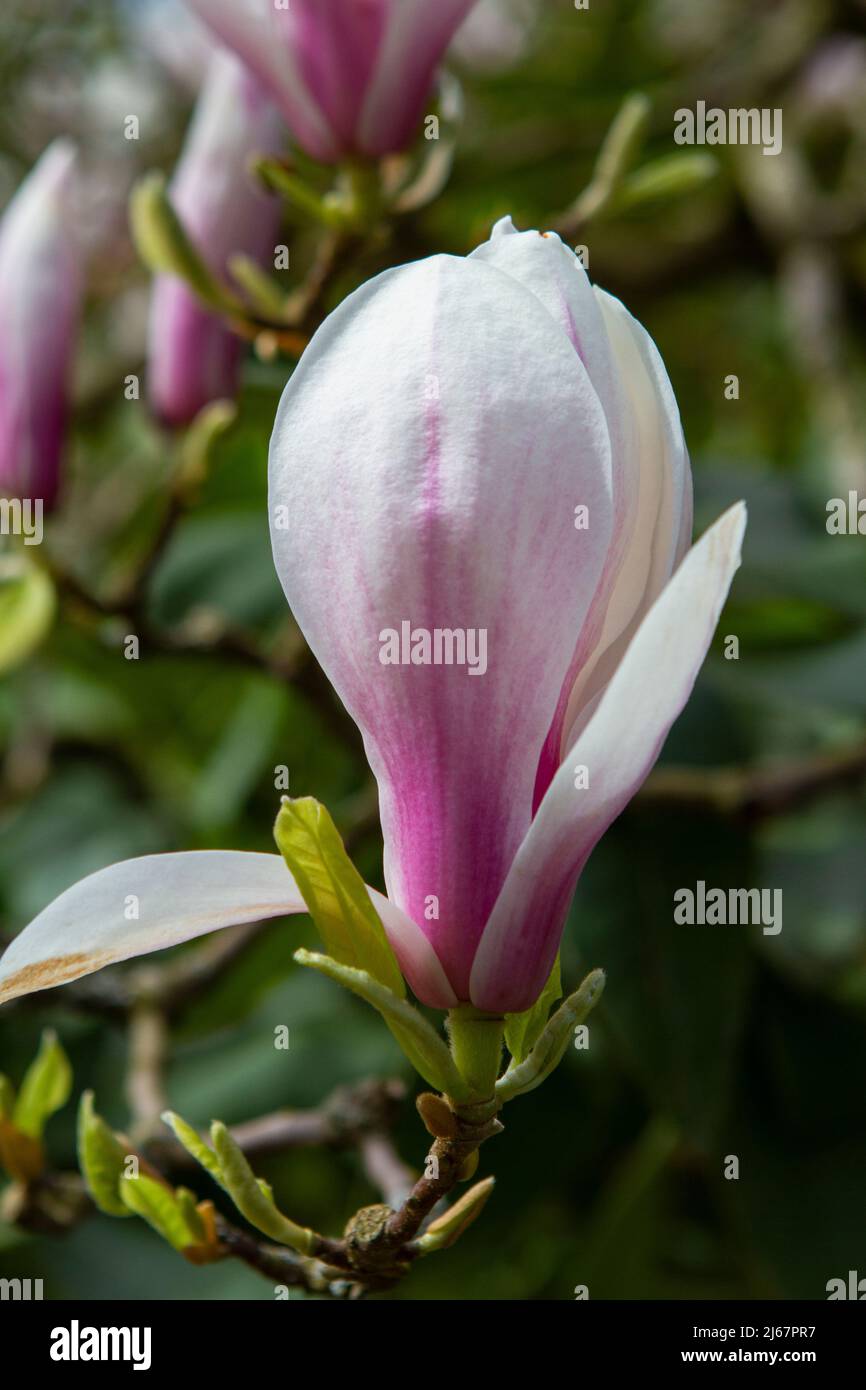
column 548, row 1050
column 522, row 1030
column 334, row 891
column 171, row 1214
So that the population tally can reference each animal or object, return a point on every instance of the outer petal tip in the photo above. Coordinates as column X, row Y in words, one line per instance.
column 731, row 527
column 178, row 897
column 504, row 227
column 619, row 745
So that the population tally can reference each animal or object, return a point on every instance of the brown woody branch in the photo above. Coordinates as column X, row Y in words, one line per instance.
column 347, row 1117
column 753, row 793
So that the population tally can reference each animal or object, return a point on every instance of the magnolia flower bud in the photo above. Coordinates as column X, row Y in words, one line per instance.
column 481, row 514
column 40, row 300
column 350, row 76
column 193, row 357
column 480, row 506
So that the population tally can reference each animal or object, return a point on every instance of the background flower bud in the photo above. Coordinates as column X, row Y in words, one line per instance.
column 350, row 76
column 193, row 356
column 40, row 298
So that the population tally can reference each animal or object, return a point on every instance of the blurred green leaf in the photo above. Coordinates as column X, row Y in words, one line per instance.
column 218, row 565
column 27, row 607
column 45, row 1089
column 619, row 149
column 7, row 1097
column 85, row 814
column 200, row 442
column 241, row 754
column 621, row 1247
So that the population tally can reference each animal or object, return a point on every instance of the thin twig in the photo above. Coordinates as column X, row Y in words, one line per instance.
column 148, row 1054
column 426, row 1194
column 283, row 1266
column 342, row 1120
column 754, row 793
column 385, row 1168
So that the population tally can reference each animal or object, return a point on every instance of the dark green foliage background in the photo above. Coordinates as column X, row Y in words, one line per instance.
column 709, row 1041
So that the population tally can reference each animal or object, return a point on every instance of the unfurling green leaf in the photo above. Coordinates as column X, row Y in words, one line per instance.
column 548, row 1051
column 162, row 1209
column 426, row 1050
column 194, row 1145
column 523, row 1030
column 334, row 891
column 101, row 1157
column 252, row 1196
column 187, row 1225
column 449, row 1227
column 45, row 1088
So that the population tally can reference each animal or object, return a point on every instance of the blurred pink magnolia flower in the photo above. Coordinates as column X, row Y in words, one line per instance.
column 40, row 300
column 351, row 77
column 496, row 34
column 193, row 357
column 171, row 33
column 469, row 446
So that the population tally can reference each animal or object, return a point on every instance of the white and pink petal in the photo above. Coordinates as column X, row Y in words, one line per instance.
column 618, row 748
column 159, row 900
column 415, row 37
column 661, row 506
column 256, row 31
